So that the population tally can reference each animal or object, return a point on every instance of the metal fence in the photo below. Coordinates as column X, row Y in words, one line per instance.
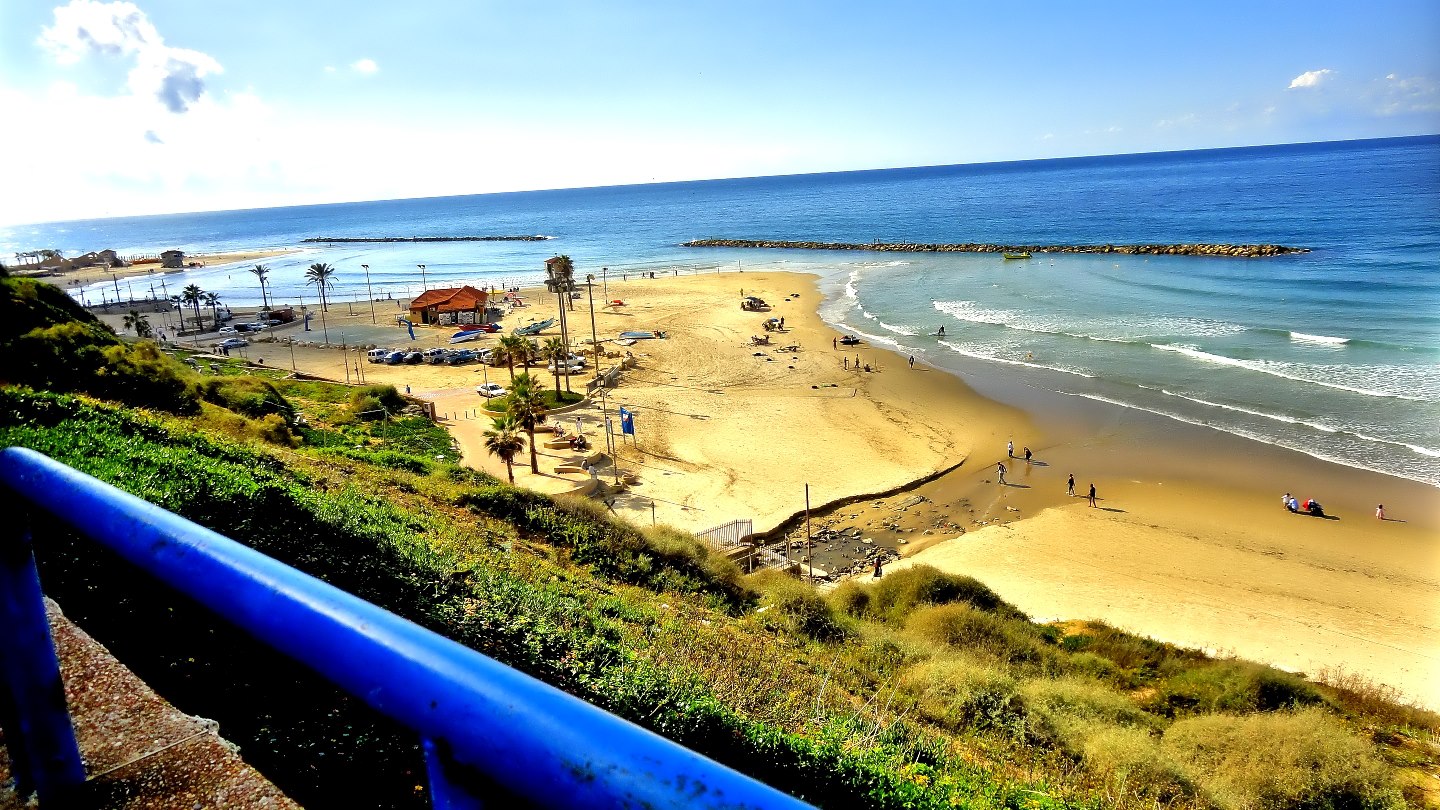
column 729, row 535
column 491, row 735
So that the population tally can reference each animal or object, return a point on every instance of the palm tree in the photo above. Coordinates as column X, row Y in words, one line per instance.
column 139, row 323
column 212, row 300
column 512, row 348
column 504, row 440
column 321, row 276
column 556, row 352
column 527, row 408
column 261, row 271
column 192, row 295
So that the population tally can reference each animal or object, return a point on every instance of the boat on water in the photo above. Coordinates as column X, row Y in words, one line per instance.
column 534, row 328
column 1024, row 255
column 642, row 335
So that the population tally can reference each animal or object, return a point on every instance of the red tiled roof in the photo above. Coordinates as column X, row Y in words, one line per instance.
column 451, row 298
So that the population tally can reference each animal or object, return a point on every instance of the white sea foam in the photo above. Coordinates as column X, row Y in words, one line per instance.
column 1312, row 375
column 1326, row 339
column 969, row 350
column 899, row 330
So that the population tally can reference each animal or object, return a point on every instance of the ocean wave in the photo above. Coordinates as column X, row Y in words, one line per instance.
column 899, row 330
column 1400, row 470
column 1293, row 371
column 1139, row 331
column 965, row 350
column 1326, row 339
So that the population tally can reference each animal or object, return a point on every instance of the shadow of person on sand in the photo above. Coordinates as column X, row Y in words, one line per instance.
column 1112, row 509
column 1015, row 485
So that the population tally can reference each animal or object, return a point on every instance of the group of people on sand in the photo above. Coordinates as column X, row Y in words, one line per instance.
column 1028, row 456
column 1309, row 506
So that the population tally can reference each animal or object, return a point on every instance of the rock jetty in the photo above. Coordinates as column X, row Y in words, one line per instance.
column 427, row 239
column 1244, row 251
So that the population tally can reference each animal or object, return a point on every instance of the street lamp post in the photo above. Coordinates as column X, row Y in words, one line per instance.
column 424, row 285
column 594, row 336
column 370, row 292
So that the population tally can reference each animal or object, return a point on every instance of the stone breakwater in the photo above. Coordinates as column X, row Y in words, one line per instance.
column 427, row 239
column 1245, row 251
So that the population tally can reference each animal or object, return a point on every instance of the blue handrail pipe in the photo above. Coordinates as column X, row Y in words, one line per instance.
column 490, row 733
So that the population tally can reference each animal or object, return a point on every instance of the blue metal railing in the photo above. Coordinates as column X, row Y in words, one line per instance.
column 488, row 731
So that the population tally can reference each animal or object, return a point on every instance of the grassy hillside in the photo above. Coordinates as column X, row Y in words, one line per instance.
column 921, row 690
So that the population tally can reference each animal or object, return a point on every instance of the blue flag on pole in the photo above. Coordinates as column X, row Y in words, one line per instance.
column 627, row 421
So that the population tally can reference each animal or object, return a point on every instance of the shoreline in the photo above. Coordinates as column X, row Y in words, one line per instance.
column 1189, row 543
column 1216, row 249
column 85, row 276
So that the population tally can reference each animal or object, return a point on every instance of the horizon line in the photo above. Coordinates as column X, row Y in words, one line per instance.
column 922, row 167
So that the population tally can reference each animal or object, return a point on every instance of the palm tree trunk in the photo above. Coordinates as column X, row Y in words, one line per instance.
column 510, row 364
column 510, row 470
column 534, row 460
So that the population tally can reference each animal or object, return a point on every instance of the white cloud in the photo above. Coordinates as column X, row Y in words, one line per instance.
column 1310, row 78
column 329, row 68
column 173, row 76
column 365, row 66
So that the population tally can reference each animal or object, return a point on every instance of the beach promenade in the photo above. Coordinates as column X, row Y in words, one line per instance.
column 1187, row 542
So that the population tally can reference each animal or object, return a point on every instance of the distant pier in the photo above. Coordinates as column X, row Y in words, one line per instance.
column 1242, row 251
column 427, row 239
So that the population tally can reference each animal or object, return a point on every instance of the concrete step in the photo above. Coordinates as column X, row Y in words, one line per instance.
column 139, row 751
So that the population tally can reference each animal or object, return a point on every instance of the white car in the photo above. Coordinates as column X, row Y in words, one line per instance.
column 232, row 343
column 490, row 390
column 228, row 330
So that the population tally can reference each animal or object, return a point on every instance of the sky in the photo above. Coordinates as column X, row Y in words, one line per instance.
column 161, row 106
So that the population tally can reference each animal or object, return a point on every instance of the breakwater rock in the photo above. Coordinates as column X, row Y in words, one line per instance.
column 1244, row 251
column 427, row 239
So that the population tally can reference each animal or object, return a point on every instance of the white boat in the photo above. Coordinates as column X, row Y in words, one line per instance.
column 642, row 335
column 461, row 337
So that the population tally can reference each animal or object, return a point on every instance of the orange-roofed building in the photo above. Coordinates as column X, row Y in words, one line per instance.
column 447, row 307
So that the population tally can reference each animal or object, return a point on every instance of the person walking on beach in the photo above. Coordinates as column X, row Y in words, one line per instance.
column 1380, row 512
column 1000, row 471
column 1070, row 485
column 912, row 361
column 834, row 343
column 1009, row 449
column 1092, row 494
column 1027, row 455
column 846, row 361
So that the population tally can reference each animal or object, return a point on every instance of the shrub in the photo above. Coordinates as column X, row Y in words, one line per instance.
column 1132, row 762
column 1143, row 659
column 962, row 692
column 1067, row 711
column 75, row 356
column 1363, row 695
column 798, row 608
column 900, row 592
column 960, row 625
column 254, row 397
column 367, row 400
column 1304, row 759
column 1232, row 686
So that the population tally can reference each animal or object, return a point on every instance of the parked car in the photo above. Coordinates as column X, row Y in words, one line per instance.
column 394, row 358
column 490, row 390
column 377, row 355
column 232, row 343
column 227, row 330
column 574, row 361
column 414, row 357
column 458, row 356
column 435, row 356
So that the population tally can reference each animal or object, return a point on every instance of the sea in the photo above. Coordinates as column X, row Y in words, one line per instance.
column 1334, row 353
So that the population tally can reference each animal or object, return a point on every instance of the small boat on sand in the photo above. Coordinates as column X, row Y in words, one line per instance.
column 461, row 337
column 534, row 328
column 1024, row 255
column 642, row 335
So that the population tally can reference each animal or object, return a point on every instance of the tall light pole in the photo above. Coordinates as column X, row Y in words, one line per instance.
column 424, row 285
column 369, row 291
column 594, row 336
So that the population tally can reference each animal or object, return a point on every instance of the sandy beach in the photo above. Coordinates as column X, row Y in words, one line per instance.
column 1188, row 541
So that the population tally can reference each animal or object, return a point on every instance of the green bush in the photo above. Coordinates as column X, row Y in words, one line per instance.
column 797, row 607
column 254, row 397
column 1231, row 686
column 965, row 627
column 1132, row 762
column 894, row 597
column 1067, row 711
column 367, row 400
column 1304, row 760
column 961, row 692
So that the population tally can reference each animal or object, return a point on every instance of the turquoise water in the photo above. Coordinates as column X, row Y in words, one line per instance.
column 1335, row 352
